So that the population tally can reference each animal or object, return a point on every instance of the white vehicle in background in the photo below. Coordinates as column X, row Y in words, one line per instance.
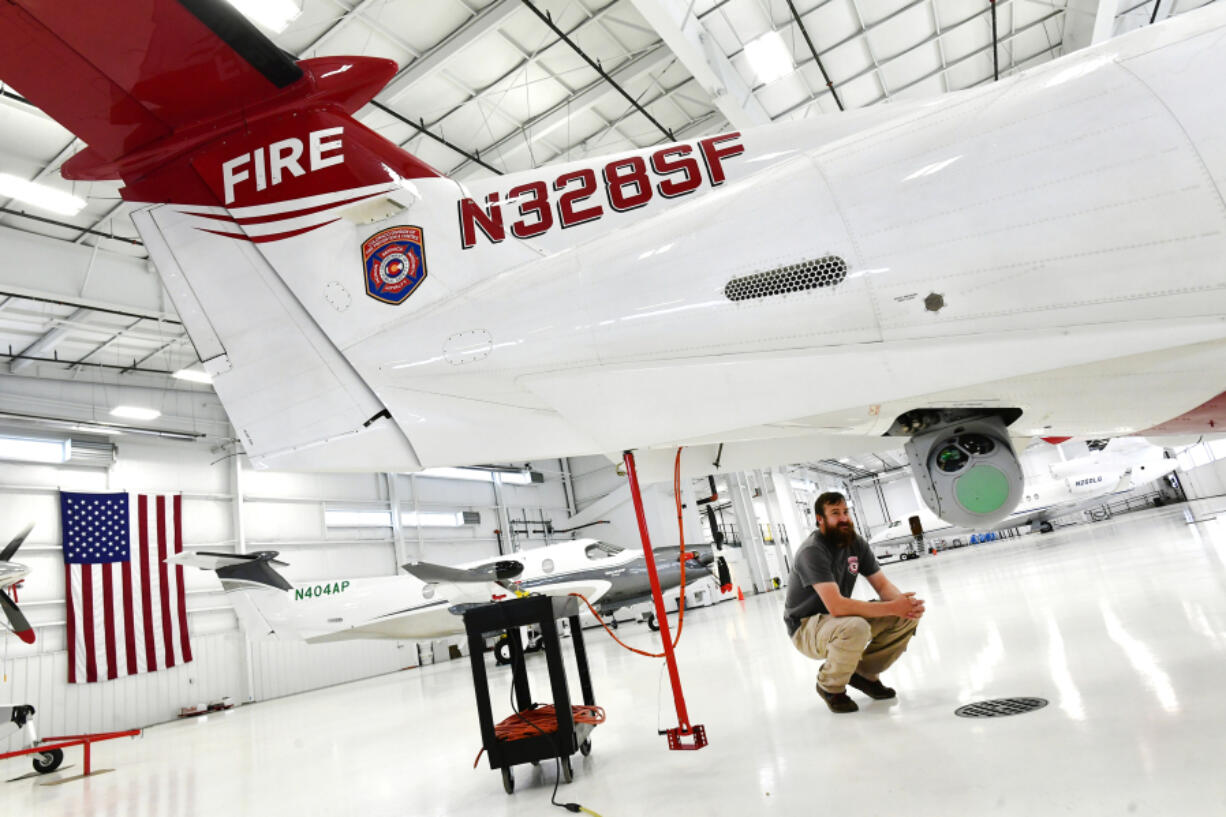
column 1060, row 489
column 428, row 602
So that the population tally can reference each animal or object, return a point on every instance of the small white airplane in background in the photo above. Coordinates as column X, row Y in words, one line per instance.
column 428, row 602
column 1031, row 257
column 11, row 575
column 1061, row 489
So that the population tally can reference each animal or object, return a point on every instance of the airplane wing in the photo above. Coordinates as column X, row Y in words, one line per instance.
column 467, row 586
column 498, row 571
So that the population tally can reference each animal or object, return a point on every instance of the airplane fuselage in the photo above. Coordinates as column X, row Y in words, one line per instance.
column 1051, row 242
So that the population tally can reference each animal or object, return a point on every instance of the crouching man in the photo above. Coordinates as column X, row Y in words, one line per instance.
column 857, row 639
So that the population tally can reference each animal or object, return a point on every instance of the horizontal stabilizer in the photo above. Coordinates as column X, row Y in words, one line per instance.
column 498, row 571
column 237, row 570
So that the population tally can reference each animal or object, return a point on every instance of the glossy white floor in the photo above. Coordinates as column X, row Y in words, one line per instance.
column 1120, row 624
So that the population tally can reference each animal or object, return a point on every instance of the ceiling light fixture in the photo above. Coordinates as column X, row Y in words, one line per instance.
column 135, row 413
column 769, row 57
column 40, row 195
column 193, row 375
column 274, row 15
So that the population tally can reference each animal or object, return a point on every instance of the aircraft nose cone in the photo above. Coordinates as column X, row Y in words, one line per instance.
column 11, row 572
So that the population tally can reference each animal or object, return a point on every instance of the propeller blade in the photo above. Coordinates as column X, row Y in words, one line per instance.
column 15, row 617
column 10, row 549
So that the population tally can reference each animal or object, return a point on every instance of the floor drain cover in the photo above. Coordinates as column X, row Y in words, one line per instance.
column 1000, row 707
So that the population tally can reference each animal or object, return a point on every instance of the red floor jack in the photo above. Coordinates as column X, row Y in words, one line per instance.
column 49, row 752
column 677, row 736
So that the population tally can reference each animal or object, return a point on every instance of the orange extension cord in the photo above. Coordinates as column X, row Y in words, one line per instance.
column 540, row 720
column 681, row 601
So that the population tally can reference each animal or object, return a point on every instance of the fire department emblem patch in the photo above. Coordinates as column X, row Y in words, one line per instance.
column 395, row 261
column 853, row 564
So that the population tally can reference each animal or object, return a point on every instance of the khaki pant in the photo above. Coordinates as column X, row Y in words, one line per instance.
column 852, row 644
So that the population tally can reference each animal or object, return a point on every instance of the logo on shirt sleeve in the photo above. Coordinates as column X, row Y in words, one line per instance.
column 853, row 564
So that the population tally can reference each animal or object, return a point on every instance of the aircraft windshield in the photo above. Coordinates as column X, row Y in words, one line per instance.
column 602, row 550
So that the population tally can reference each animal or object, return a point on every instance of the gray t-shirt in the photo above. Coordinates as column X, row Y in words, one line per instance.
column 821, row 561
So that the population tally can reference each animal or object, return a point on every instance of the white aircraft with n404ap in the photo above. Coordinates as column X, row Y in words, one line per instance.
column 428, row 602
column 1036, row 256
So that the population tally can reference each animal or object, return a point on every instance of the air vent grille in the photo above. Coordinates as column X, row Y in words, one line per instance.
column 827, row 271
column 92, row 451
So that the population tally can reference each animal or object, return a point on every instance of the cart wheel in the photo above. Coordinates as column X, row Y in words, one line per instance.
column 502, row 651
column 585, row 748
column 652, row 624
column 508, row 780
column 48, row 762
column 568, row 774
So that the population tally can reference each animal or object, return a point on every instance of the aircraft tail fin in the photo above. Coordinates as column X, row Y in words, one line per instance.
column 258, row 593
column 252, row 169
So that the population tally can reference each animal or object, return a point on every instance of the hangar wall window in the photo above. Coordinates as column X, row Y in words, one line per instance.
column 827, row 271
column 345, row 518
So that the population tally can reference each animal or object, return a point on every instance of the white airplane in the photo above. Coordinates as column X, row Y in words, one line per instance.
column 428, row 603
column 1062, row 489
column 11, row 575
column 1031, row 257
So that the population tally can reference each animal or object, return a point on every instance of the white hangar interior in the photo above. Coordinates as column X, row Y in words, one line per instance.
column 1114, row 614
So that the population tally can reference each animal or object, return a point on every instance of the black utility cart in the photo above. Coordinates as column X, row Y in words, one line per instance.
column 542, row 612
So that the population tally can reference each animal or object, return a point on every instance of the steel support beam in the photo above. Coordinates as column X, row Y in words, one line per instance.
column 433, row 60
column 557, row 117
column 45, row 343
column 1088, row 22
column 547, row 19
column 698, row 52
column 816, row 57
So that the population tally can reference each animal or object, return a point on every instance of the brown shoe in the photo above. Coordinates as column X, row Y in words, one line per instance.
column 873, row 689
column 837, row 701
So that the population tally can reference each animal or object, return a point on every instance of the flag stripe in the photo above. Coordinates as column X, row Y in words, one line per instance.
column 129, row 621
column 87, row 624
column 142, row 516
column 108, row 612
column 72, row 624
column 164, row 583
column 184, row 643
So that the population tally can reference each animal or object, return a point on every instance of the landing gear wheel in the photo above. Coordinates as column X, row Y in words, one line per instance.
column 652, row 624
column 568, row 774
column 585, row 748
column 508, row 780
column 502, row 652
column 48, row 762
column 1045, row 527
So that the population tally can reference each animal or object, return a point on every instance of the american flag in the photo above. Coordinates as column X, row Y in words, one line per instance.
column 127, row 612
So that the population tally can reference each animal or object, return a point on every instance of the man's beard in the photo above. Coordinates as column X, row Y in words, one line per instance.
column 842, row 534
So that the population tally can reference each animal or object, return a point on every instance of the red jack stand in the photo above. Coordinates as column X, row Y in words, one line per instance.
column 683, row 730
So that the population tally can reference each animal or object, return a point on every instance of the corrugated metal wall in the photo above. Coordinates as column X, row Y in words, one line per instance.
column 125, row 703
column 287, row 667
